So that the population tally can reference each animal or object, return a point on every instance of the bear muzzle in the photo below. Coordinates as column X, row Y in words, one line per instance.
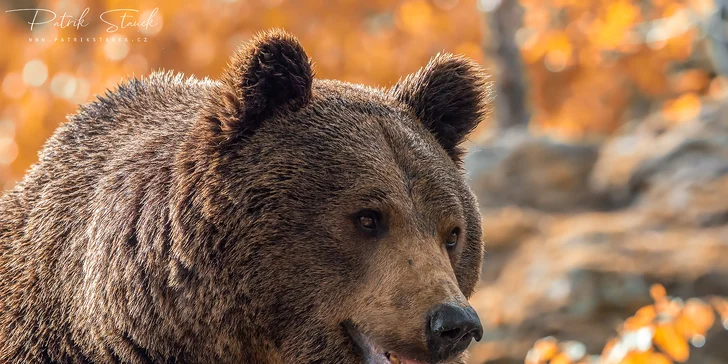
column 451, row 328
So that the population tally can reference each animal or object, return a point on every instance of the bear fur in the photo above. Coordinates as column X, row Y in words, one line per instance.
column 177, row 220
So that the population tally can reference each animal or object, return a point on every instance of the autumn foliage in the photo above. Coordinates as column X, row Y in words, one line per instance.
column 658, row 333
column 371, row 42
column 592, row 64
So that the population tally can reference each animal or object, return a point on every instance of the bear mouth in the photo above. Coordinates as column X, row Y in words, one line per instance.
column 372, row 353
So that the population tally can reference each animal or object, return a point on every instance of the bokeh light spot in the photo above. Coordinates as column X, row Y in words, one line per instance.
column 8, row 150
column 698, row 341
column 157, row 21
column 488, row 5
column 35, row 72
column 13, row 85
column 116, row 51
column 63, row 85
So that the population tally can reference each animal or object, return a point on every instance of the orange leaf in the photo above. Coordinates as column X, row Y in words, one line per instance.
column 684, row 108
column 669, row 341
column 637, row 322
column 686, row 327
column 561, row 358
column 647, row 312
column 546, row 348
column 693, row 80
column 659, row 358
column 658, row 292
column 699, row 314
column 637, row 358
column 721, row 305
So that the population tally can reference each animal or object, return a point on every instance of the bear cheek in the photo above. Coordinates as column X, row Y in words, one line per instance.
column 470, row 262
column 403, row 285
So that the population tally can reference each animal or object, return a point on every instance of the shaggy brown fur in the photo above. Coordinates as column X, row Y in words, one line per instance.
column 183, row 220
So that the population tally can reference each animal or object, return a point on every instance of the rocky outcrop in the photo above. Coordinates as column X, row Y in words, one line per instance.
column 576, row 234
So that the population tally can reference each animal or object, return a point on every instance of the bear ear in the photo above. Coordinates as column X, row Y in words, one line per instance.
column 450, row 96
column 268, row 75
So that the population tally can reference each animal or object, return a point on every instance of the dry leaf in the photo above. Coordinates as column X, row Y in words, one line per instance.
column 671, row 342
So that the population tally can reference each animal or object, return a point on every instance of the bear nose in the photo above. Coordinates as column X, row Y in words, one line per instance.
column 451, row 328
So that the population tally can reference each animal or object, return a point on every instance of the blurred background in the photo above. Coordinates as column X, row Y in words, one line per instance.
column 602, row 172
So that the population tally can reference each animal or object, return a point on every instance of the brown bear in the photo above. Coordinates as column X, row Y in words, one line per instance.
column 268, row 217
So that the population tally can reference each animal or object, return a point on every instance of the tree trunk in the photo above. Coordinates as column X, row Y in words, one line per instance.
column 716, row 38
column 510, row 102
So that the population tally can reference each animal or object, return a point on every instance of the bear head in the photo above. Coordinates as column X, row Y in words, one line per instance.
column 329, row 221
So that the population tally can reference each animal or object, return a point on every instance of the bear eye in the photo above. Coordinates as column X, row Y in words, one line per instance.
column 368, row 220
column 452, row 240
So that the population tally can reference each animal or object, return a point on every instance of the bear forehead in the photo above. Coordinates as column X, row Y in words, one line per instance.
column 339, row 96
column 375, row 146
column 362, row 126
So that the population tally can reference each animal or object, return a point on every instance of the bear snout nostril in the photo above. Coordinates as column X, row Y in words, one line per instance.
column 453, row 334
column 451, row 328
